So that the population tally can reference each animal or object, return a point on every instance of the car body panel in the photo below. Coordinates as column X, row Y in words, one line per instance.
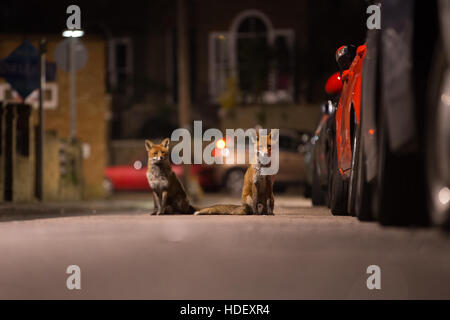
column 444, row 15
column 350, row 98
column 369, row 101
column 397, row 19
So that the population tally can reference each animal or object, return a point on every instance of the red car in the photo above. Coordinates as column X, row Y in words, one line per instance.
column 350, row 61
column 133, row 176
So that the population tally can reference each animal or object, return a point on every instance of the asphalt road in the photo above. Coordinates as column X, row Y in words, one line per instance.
column 300, row 253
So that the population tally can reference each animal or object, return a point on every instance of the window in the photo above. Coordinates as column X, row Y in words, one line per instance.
column 9, row 95
column 253, row 59
column 259, row 58
column 120, row 65
column 219, row 70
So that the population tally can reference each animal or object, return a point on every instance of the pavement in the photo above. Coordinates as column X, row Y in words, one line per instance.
column 302, row 252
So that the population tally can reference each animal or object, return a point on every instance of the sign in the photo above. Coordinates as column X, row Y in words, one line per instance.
column 62, row 54
column 50, row 101
column 21, row 69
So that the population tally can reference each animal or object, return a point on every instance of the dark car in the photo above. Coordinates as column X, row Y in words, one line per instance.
column 402, row 165
column 321, row 144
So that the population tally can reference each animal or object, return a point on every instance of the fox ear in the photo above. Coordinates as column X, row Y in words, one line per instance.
column 165, row 143
column 148, row 145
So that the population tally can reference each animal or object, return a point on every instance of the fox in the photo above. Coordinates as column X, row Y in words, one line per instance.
column 257, row 192
column 169, row 195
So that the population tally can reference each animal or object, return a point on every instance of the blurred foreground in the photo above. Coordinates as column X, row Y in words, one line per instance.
column 301, row 252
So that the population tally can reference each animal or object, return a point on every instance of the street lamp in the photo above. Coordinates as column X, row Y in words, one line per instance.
column 72, row 35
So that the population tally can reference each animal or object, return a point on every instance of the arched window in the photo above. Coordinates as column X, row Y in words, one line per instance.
column 253, row 58
column 254, row 54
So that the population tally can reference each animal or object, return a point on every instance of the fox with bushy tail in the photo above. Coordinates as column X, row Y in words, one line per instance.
column 169, row 195
column 257, row 192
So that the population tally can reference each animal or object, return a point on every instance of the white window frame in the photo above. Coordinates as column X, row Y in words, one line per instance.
column 33, row 97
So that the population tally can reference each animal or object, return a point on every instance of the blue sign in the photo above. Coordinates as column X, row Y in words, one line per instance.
column 21, row 69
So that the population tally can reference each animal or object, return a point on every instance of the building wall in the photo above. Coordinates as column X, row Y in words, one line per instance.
column 92, row 105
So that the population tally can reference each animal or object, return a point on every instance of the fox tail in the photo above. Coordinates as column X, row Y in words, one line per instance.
column 224, row 209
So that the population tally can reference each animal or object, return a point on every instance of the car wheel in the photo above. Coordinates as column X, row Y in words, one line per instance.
column 438, row 141
column 399, row 198
column 330, row 158
column 234, row 181
column 339, row 189
column 307, row 191
column 354, row 170
column 317, row 193
column 362, row 200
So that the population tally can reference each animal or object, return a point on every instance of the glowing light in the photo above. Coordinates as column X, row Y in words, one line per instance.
column 371, row 132
column 73, row 33
column 220, row 144
column 137, row 165
column 445, row 99
column 444, row 196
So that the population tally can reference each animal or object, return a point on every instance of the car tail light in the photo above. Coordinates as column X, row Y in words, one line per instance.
column 334, row 84
column 220, row 144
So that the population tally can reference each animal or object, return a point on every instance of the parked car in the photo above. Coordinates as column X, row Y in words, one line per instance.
column 403, row 161
column 392, row 152
column 132, row 177
column 350, row 61
column 291, row 159
column 323, row 141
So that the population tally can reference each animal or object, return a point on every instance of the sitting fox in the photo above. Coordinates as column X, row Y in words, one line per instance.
column 257, row 192
column 168, row 193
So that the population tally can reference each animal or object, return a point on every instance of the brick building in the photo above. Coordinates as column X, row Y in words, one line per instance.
column 92, row 110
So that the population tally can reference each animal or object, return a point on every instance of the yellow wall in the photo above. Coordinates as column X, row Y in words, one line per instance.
column 92, row 104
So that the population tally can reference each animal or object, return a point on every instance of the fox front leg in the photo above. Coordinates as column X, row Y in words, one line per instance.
column 156, row 203
column 270, row 198
column 162, row 208
column 255, row 197
column 270, row 206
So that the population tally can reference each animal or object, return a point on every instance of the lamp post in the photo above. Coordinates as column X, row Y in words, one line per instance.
column 40, row 137
column 72, row 35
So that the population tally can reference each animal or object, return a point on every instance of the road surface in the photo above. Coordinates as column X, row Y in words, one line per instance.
column 300, row 253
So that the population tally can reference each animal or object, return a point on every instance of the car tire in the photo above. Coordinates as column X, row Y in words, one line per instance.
column 438, row 140
column 234, row 180
column 354, row 171
column 362, row 200
column 317, row 193
column 307, row 193
column 339, row 189
column 398, row 195
column 330, row 158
